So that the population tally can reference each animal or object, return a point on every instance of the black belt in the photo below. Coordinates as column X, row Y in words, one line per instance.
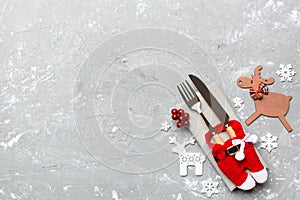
column 230, row 151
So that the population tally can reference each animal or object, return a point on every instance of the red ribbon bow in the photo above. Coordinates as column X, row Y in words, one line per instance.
column 258, row 94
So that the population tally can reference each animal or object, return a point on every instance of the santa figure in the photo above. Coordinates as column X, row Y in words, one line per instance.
column 236, row 155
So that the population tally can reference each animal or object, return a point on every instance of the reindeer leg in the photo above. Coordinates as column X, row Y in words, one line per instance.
column 285, row 123
column 198, row 168
column 253, row 117
column 183, row 169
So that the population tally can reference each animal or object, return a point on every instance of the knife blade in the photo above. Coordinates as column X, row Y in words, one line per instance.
column 213, row 103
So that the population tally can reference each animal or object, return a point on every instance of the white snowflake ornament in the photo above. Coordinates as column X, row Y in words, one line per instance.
column 210, row 187
column 286, row 72
column 269, row 142
column 238, row 103
column 165, row 126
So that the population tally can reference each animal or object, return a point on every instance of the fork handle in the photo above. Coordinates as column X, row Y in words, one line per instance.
column 216, row 137
column 218, row 140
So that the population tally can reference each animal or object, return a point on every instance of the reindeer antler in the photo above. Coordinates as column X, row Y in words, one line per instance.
column 191, row 140
column 173, row 140
column 257, row 70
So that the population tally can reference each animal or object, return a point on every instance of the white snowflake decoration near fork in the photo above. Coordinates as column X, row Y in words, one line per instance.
column 269, row 142
column 210, row 187
column 165, row 126
column 286, row 72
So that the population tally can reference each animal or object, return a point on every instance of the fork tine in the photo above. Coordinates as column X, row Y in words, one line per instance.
column 190, row 95
column 191, row 89
column 182, row 87
column 182, row 95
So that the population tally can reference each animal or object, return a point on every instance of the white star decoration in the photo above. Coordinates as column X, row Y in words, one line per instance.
column 165, row 126
column 286, row 72
column 269, row 142
column 210, row 187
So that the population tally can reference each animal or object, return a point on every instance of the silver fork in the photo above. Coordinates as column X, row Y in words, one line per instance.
column 192, row 101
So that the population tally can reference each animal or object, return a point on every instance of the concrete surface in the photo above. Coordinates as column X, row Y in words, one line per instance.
column 84, row 86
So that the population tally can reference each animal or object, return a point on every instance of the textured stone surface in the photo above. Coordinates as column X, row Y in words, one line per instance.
column 84, row 87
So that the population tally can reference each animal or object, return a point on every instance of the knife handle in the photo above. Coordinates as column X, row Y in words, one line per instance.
column 218, row 139
column 230, row 132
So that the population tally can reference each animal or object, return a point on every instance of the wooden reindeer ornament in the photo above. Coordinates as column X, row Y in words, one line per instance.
column 267, row 103
column 187, row 158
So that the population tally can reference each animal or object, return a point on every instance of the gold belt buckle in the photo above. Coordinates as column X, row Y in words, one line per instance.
column 228, row 152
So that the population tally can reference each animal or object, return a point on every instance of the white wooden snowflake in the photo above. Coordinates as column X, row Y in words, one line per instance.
column 165, row 126
column 269, row 142
column 210, row 187
column 286, row 72
column 238, row 103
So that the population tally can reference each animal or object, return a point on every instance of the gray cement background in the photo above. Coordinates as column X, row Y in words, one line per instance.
column 84, row 86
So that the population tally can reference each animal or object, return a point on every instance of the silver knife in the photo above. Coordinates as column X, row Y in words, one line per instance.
column 213, row 103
